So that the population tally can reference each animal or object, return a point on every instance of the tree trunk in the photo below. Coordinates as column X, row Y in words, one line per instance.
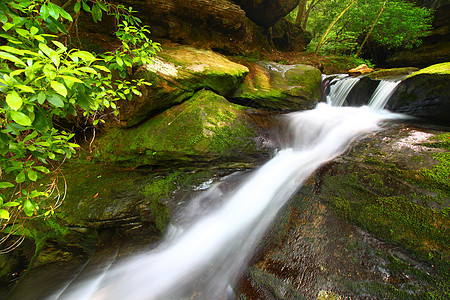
column 331, row 26
column 371, row 29
column 301, row 11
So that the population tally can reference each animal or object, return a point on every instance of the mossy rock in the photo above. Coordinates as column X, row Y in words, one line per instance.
column 425, row 94
column 396, row 185
column 203, row 129
column 273, row 86
column 176, row 74
column 392, row 73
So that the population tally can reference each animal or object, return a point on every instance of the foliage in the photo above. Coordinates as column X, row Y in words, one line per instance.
column 41, row 80
column 401, row 24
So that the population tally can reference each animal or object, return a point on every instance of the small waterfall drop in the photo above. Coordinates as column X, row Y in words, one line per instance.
column 340, row 87
column 204, row 260
column 382, row 94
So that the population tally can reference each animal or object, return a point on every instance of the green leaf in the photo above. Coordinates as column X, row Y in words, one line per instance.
column 53, row 10
column 44, row 48
column 10, row 204
column 84, row 55
column 41, row 97
column 14, row 100
column 59, row 88
column 20, row 118
column 11, row 57
column 96, row 12
column 55, row 100
column 31, row 136
column 86, row 7
column 77, row 7
column 12, row 50
column 44, row 11
column 4, row 214
column 32, row 175
column 60, row 45
column 28, row 208
column 64, row 14
column 25, row 88
column 4, row 185
column 102, row 68
column 20, row 177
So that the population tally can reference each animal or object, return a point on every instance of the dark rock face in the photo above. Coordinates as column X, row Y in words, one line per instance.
column 219, row 24
column 266, row 12
column 361, row 92
column 287, row 36
column 424, row 96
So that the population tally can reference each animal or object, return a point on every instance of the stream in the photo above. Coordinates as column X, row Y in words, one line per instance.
column 202, row 260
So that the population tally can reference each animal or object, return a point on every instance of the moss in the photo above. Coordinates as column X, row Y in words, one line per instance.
column 392, row 72
column 377, row 203
column 438, row 69
column 196, row 128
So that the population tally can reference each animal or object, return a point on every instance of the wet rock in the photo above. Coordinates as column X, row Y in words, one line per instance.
column 273, row 86
column 350, row 232
column 176, row 74
column 425, row 95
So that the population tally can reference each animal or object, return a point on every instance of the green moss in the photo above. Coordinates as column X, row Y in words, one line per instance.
column 392, row 72
column 206, row 126
column 438, row 69
column 377, row 203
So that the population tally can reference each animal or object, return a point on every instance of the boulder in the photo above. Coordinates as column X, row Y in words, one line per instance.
column 288, row 36
column 425, row 95
column 204, row 128
column 267, row 12
column 218, row 24
column 273, row 86
column 363, row 225
column 176, row 74
column 360, row 70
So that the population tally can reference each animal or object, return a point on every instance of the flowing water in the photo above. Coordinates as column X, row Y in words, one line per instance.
column 203, row 260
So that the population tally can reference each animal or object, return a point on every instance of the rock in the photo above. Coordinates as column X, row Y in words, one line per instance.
column 396, row 185
column 176, row 74
column 360, row 70
column 204, row 128
column 424, row 94
column 341, row 236
column 267, row 12
column 274, row 86
column 287, row 36
column 219, row 24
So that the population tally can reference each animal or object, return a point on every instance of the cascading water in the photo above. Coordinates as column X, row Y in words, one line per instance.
column 382, row 94
column 203, row 260
column 340, row 87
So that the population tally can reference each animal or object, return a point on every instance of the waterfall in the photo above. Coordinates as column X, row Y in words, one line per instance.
column 340, row 87
column 203, row 260
column 382, row 94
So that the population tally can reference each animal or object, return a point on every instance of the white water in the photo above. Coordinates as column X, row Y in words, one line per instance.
column 340, row 87
column 382, row 94
column 204, row 260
